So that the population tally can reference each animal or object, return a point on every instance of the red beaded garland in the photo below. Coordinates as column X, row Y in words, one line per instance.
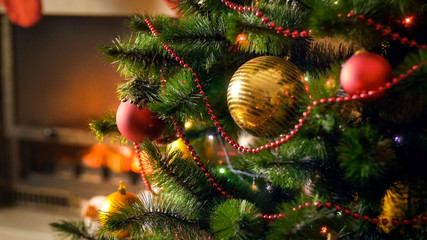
column 196, row 158
column 265, row 19
column 347, row 212
column 142, row 172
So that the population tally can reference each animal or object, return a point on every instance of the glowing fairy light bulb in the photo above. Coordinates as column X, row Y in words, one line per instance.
column 324, row 230
column 330, row 83
column 408, row 21
column 188, row 124
column 211, row 137
column 241, row 38
column 221, row 170
column 254, row 186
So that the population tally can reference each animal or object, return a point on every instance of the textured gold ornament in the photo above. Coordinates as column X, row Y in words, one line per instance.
column 112, row 204
column 264, row 96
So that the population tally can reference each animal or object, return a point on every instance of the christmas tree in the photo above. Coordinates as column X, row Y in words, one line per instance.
column 317, row 108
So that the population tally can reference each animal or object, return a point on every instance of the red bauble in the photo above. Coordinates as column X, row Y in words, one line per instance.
column 172, row 5
column 24, row 13
column 364, row 72
column 136, row 123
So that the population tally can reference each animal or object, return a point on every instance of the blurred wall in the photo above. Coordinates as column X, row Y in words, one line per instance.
column 103, row 7
column 58, row 77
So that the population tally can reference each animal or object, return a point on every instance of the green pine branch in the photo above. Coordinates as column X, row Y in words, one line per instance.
column 141, row 55
column 198, row 39
column 291, row 165
column 180, row 99
column 167, row 215
column 236, row 219
column 137, row 22
column 172, row 172
column 139, row 91
column 412, row 103
column 73, row 230
column 307, row 222
column 190, row 8
column 105, row 127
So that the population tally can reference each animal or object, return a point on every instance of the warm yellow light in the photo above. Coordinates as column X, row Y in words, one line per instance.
column 178, row 145
column 241, row 38
column 188, row 124
column 330, row 83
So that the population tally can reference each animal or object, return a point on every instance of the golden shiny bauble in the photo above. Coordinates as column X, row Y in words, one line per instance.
column 264, row 96
column 111, row 205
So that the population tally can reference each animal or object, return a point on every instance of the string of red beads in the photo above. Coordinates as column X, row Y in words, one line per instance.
column 176, row 124
column 196, row 159
column 347, row 212
column 266, row 20
column 386, row 31
column 142, row 173
column 302, row 121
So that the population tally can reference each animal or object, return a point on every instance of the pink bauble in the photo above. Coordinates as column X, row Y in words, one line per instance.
column 136, row 123
column 364, row 72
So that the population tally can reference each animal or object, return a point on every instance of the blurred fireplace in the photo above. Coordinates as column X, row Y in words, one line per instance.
column 53, row 83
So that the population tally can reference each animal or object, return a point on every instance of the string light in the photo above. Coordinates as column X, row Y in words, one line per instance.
column 188, row 125
column 398, row 140
column 254, row 186
column 407, row 21
column 241, row 38
column 330, row 83
column 211, row 137
column 324, row 230
column 222, row 170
